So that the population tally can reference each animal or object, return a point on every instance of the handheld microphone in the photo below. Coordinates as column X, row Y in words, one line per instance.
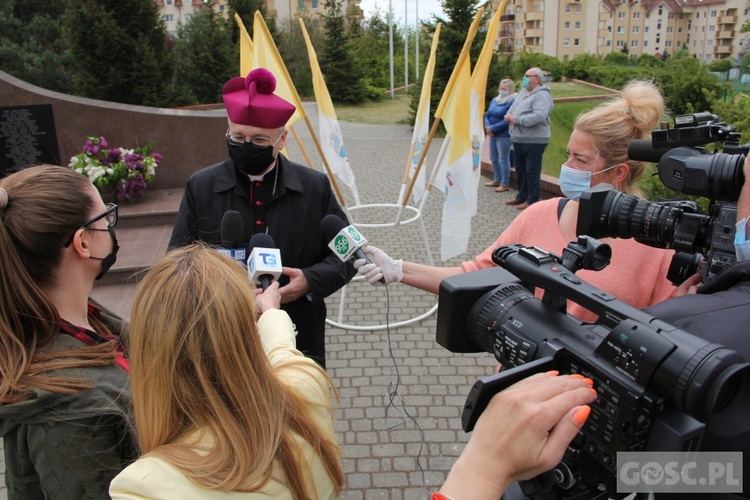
column 345, row 241
column 232, row 229
column 264, row 263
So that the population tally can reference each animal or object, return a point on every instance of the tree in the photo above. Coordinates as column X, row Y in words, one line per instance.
column 31, row 44
column 293, row 50
column 581, row 66
column 720, row 65
column 687, row 86
column 246, row 10
column 119, row 51
column 205, row 56
column 342, row 74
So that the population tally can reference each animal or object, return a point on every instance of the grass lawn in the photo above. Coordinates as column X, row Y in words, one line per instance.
column 383, row 112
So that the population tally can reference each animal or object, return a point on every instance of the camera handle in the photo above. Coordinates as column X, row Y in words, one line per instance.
column 486, row 387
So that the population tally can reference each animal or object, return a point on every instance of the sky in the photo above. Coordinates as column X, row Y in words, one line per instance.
column 426, row 9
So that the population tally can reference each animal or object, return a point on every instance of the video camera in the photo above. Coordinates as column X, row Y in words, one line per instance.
column 657, row 385
column 704, row 243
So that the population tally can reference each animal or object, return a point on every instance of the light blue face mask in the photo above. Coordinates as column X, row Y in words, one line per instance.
column 574, row 182
column 525, row 82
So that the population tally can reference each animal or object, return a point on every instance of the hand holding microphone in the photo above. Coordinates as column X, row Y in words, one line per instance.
column 382, row 269
column 264, row 263
column 269, row 298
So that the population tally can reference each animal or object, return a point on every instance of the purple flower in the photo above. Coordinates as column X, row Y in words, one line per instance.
column 157, row 157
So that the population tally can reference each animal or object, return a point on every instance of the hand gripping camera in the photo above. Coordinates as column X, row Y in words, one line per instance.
column 658, row 386
column 704, row 243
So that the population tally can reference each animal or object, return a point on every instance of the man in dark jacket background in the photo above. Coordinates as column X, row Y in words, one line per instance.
column 275, row 196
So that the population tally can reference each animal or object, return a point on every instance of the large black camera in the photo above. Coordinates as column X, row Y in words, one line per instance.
column 657, row 385
column 705, row 243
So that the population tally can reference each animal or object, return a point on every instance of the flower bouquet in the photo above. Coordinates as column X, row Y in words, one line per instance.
column 124, row 172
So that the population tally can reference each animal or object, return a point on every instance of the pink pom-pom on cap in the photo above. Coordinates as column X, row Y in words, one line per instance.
column 264, row 80
column 251, row 101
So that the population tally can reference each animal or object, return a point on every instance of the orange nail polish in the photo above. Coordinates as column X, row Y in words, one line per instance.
column 594, row 391
column 577, row 375
column 553, row 373
column 589, row 381
column 581, row 414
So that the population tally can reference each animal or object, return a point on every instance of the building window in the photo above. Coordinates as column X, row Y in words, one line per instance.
column 661, row 10
column 566, row 42
column 621, row 15
column 222, row 7
column 670, row 29
column 314, row 4
column 669, row 43
column 578, row 25
column 609, row 43
column 645, row 43
column 634, row 43
column 168, row 18
column 636, row 29
column 567, row 9
column 621, row 29
column 679, row 30
column 169, row 2
column 713, row 13
column 578, row 8
column 567, row 25
column 636, row 15
column 679, row 43
column 671, row 15
column 645, row 29
column 576, row 42
column 620, row 43
column 565, row 57
column 711, row 28
column 708, row 57
column 709, row 43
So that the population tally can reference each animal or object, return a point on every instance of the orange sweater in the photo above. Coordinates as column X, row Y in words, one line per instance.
column 636, row 275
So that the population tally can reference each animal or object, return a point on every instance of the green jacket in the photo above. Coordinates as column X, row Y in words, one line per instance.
column 70, row 446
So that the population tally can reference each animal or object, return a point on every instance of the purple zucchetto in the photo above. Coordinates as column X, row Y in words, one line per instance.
column 251, row 101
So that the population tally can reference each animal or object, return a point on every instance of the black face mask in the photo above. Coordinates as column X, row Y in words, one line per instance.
column 250, row 159
column 111, row 258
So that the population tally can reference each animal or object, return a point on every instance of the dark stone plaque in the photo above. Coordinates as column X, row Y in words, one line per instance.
column 27, row 137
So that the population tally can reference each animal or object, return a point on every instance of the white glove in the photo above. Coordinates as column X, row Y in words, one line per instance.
column 382, row 267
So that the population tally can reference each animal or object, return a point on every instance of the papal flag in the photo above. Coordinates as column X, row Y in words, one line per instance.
column 421, row 122
column 455, row 175
column 266, row 55
column 478, row 87
column 331, row 140
column 246, row 48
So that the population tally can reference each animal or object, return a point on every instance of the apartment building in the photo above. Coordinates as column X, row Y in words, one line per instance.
column 709, row 29
column 176, row 12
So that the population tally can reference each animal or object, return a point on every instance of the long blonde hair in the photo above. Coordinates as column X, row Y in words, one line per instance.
column 611, row 126
column 45, row 206
column 197, row 363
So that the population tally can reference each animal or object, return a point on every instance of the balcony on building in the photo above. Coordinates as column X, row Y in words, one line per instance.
column 534, row 33
column 727, row 19
column 723, row 49
column 729, row 34
column 534, row 16
column 507, row 18
column 505, row 34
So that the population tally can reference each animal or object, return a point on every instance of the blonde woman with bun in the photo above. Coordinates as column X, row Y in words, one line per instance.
column 597, row 153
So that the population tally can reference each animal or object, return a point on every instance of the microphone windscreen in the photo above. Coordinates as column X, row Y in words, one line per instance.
column 260, row 240
column 331, row 225
column 232, row 229
column 643, row 150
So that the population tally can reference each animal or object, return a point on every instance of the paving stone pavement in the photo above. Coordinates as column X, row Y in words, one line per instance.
column 380, row 454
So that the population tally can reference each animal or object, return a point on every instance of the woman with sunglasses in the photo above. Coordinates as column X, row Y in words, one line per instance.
column 64, row 406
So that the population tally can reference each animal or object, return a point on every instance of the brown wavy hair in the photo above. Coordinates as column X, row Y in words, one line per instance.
column 45, row 206
column 197, row 363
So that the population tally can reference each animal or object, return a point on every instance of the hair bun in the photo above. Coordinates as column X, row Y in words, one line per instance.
column 3, row 198
column 265, row 82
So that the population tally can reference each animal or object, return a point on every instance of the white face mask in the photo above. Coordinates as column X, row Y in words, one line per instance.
column 574, row 182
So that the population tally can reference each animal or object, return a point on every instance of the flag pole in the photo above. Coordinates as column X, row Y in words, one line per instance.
column 302, row 147
column 443, row 100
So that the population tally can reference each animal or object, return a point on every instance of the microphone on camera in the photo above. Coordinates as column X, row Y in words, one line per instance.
column 345, row 241
column 264, row 263
column 643, row 150
column 232, row 229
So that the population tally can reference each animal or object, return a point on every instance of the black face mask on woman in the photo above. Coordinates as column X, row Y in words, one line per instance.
column 251, row 159
column 111, row 258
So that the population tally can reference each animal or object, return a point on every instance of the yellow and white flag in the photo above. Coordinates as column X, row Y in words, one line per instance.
column 266, row 55
column 478, row 87
column 329, row 132
column 246, row 48
column 421, row 122
column 455, row 175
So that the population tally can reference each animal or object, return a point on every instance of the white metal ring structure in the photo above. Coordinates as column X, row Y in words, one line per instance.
column 414, row 215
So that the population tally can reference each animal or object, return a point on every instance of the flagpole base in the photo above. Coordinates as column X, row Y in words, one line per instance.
column 413, row 215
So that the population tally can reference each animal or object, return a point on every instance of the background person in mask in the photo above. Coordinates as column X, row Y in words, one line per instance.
column 284, row 199
column 64, row 402
column 529, row 130
column 597, row 152
column 496, row 129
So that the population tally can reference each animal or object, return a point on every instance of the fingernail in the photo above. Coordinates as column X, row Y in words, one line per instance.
column 553, row 373
column 589, row 381
column 581, row 414
column 576, row 375
column 594, row 391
